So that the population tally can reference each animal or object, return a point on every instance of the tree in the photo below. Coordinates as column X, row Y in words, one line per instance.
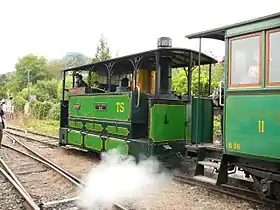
column 2, row 93
column 13, row 85
column 46, row 89
column 54, row 68
column 179, row 79
column 3, row 79
column 37, row 69
column 102, row 51
column 74, row 59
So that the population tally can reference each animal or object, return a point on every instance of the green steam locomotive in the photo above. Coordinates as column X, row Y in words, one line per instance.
column 131, row 107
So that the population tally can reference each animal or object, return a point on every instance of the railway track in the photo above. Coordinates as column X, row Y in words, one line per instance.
column 244, row 194
column 12, row 169
column 237, row 192
column 48, row 140
column 13, row 197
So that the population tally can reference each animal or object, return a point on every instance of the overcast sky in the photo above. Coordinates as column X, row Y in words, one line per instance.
column 54, row 27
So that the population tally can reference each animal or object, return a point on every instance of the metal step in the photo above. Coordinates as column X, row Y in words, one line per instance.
column 210, row 164
column 205, row 179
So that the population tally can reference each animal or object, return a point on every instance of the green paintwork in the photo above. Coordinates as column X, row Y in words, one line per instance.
column 87, row 107
column 167, row 122
column 93, row 142
column 202, row 120
column 117, row 130
column 75, row 124
column 250, row 28
column 243, row 114
column 119, row 144
column 92, row 126
column 188, row 122
column 74, row 138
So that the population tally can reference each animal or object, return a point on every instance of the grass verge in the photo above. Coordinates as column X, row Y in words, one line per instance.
column 49, row 127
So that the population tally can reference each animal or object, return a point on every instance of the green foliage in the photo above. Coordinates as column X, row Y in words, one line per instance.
column 3, row 79
column 102, row 51
column 37, row 67
column 2, row 93
column 46, row 90
column 39, row 109
column 54, row 112
column 13, row 85
column 68, row 84
column 54, row 68
column 217, row 124
column 179, row 82
column 19, row 103
column 24, row 92
column 179, row 79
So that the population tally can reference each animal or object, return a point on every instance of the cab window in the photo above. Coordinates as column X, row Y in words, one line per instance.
column 273, row 57
column 245, row 59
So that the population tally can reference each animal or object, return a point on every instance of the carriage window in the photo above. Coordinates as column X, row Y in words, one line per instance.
column 273, row 57
column 245, row 61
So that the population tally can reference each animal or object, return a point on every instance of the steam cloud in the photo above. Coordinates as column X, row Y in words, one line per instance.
column 117, row 179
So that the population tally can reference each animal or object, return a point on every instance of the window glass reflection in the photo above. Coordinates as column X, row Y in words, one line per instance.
column 245, row 61
column 274, row 57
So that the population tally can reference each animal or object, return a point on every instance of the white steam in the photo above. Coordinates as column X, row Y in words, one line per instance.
column 121, row 180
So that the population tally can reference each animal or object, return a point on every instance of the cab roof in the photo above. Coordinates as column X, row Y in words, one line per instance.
column 180, row 58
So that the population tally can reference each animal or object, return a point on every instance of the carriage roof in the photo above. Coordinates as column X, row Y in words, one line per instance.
column 219, row 33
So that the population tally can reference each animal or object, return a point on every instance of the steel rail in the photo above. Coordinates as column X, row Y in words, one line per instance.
column 119, row 207
column 45, row 142
column 41, row 161
column 31, row 203
column 58, row 169
column 33, row 139
column 32, row 132
column 244, row 194
column 66, row 200
column 62, row 171
column 13, row 176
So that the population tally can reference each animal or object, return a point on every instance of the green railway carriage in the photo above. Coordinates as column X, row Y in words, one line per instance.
column 251, row 111
column 145, row 118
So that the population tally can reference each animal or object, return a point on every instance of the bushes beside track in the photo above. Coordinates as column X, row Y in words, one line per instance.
column 19, row 103
column 38, row 109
